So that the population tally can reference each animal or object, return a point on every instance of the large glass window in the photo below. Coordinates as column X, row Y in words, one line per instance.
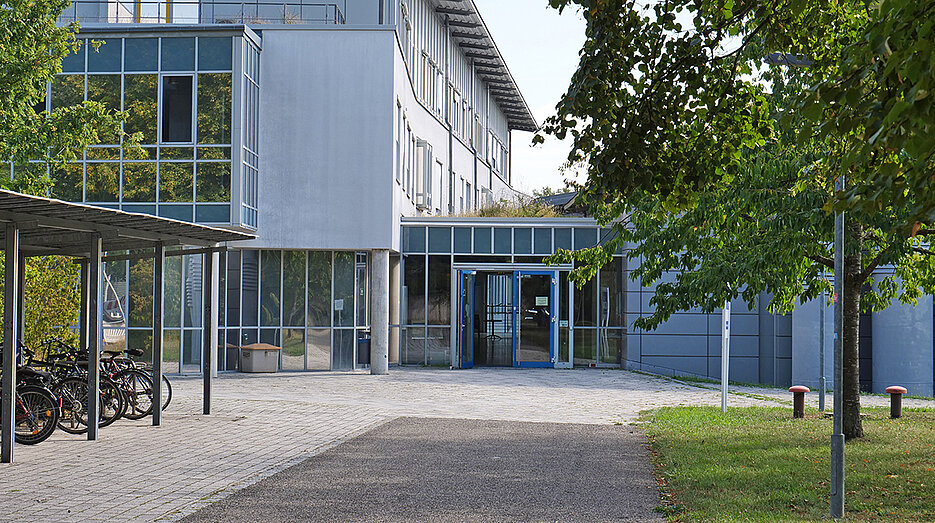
column 140, row 54
column 68, row 182
column 139, row 98
column 214, row 108
column 176, row 109
column 439, row 290
column 106, row 58
column 270, row 280
column 67, row 90
column 319, row 289
column 103, row 183
column 176, row 182
column 214, row 181
column 139, row 182
column 178, row 54
column 214, row 53
column 344, row 289
column 293, row 289
column 414, row 281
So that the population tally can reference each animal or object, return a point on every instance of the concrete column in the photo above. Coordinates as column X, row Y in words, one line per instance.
column 12, row 290
column 380, row 312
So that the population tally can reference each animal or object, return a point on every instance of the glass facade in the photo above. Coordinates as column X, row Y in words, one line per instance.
column 591, row 322
column 194, row 163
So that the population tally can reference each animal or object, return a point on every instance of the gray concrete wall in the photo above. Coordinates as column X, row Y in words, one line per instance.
column 903, row 346
column 805, row 344
column 326, row 140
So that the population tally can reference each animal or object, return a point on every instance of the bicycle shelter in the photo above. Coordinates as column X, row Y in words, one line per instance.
column 35, row 226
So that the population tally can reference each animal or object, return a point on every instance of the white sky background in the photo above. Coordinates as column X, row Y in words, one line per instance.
column 541, row 49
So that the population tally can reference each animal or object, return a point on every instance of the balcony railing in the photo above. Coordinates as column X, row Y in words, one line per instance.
column 203, row 12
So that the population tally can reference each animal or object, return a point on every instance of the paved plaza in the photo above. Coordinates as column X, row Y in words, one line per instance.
column 263, row 424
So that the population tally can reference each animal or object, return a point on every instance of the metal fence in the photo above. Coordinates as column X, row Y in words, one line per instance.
column 203, row 12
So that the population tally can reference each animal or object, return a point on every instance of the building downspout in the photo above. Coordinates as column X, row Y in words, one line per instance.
column 447, row 94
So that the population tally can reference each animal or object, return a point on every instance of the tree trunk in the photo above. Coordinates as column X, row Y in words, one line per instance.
column 851, row 337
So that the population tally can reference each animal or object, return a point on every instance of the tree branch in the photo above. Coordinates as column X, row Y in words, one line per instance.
column 823, row 260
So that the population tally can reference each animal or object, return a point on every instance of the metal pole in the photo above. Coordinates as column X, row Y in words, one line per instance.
column 823, row 304
column 209, row 325
column 10, row 326
column 837, row 437
column 158, row 299
column 725, row 354
column 94, row 337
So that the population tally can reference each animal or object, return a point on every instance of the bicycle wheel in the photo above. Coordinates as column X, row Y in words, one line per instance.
column 137, row 388
column 36, row 414
column 166, row 392
column 73, row 392
column 113, row 404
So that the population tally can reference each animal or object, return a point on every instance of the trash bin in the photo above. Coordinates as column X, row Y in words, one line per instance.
column 259, row 357
column 363, row 350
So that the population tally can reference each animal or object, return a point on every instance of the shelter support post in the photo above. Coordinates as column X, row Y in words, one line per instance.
column 158, row 299
column 380, row 313
column 94, row 336
column 11, row 324
column 210, row 325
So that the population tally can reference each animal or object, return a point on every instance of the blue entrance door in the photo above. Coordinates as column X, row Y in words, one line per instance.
column 534, row 316
column 466, row 319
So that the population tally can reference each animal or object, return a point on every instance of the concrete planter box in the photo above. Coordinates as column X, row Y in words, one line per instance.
column 259, row 357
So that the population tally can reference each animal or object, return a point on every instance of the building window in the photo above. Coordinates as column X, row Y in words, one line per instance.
column 423, row 175
column 177, row 109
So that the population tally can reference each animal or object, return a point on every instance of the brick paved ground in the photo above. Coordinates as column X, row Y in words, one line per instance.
column 262, row 424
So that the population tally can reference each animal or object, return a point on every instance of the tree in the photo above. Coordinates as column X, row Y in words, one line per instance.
column 668, row 101
column 32, row 47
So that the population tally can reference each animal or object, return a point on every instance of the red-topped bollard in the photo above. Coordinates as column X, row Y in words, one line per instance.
column 798, row 400
column 896, row 400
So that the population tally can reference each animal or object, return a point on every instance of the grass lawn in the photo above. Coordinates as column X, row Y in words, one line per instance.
column 758, row 464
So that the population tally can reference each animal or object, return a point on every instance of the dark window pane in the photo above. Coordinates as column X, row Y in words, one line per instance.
column 343, row 356
column 414, row 281
column 502, row 241
column 250, row 287
column 440, row 239
column 611, row 297
column 293, row 289
column 105, row 88
column 543, row 241
column 67, row 182
column 585, row 238
column 176, row 182
column 142, row 340
column 214, row 53
column 176, row 212
column 439, row 290
column 178, row 54
column 270, row 281
column 103, row 182
column 584, row 310
column 214, row 181
column 213, row 213
column 74, row 62
column 415, row 239
column 563, row 239
column 172, row 285
column 139, row 99
column 522, row 241
column 176, row 109
column 214, row 108
column 139, row 182
column 463, row 240
column 233, row 289
column 344, row 289
column 319, row 289
column 482, row 240
column 67, row 90
column 106, row 58
column 140, row 54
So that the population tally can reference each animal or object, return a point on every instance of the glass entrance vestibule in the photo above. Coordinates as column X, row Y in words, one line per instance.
column 476, row 292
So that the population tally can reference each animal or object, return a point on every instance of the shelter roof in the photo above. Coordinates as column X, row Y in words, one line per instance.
column 49, row 226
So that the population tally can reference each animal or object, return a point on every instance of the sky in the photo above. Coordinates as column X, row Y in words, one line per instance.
column 541, row 49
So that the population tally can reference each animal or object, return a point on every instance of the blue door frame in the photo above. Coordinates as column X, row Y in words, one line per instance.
column 552, row 317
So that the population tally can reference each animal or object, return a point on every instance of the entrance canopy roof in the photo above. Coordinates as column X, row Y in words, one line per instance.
column 55, row 227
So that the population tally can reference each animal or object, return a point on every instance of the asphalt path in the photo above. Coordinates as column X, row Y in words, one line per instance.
column 417, row 469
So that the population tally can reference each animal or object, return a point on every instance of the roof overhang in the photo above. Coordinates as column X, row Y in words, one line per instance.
column 469, row 31
column 48, row 226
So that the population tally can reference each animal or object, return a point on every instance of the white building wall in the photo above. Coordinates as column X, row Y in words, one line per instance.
column 326, row 129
